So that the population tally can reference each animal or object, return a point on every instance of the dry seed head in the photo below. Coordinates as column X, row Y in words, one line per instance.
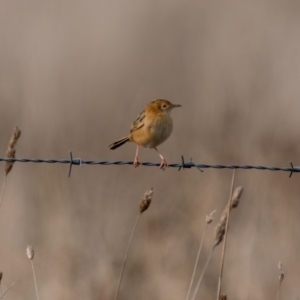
column 146, row 200
column 220, row 229
column 221, row 226
column 236, row 196
column 1, row 275
column 281, row 277
column 30, row 252
column 210, row 217
column 11, row 151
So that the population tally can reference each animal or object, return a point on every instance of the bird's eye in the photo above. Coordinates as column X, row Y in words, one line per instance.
column 164, row 106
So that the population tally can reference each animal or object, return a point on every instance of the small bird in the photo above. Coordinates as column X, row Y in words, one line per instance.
column 151, row 128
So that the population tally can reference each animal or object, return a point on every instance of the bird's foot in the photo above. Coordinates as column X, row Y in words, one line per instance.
column 136, row 162
column 163, row 164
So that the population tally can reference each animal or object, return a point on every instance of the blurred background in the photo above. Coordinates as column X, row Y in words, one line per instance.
column 75, row 74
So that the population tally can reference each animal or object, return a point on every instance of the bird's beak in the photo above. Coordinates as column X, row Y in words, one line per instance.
column 176, row 105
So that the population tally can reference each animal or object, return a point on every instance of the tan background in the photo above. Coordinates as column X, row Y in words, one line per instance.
column 75, row 74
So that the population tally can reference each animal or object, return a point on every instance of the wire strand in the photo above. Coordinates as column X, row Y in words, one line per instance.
column 182, row 165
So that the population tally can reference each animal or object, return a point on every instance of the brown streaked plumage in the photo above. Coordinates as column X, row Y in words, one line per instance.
column 151, row 128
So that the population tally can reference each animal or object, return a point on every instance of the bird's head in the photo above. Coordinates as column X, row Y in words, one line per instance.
column 162, row 105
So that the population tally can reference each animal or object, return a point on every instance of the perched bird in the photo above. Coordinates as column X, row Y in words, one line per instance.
column 151, row 128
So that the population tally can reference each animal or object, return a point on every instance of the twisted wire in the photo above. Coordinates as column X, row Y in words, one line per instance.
column 182, row 165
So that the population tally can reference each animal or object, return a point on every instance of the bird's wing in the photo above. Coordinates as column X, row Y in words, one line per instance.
column 139, row 122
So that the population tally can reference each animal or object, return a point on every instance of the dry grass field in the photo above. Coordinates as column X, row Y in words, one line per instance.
column 75, row 74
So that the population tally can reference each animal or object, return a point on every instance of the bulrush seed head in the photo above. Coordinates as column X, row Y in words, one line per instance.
column 30, row 252
column 146, row 200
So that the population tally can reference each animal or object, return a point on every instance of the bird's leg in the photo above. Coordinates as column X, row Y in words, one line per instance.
column 164, row 163
column 136, row 162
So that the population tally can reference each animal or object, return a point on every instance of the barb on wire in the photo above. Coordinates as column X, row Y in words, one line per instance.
column 188, row 165
column 183, row 165
column 75, row 161
column 293, row 169
column 196, row 166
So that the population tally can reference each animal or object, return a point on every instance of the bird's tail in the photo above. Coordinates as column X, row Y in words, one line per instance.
column 118, row 143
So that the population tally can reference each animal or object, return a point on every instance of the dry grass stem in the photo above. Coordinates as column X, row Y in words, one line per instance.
column 144, row 205
column 2, row 190
column 225, row 236
column 11, row 151
column 220, row 229
column 203, row 272
column 208, row 220
column 280, row 279
column 30, row 255
column 2, row 296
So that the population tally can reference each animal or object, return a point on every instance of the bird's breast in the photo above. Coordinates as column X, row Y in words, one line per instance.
column 154, row 132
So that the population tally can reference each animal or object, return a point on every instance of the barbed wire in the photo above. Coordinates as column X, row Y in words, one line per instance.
column 183, row 165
